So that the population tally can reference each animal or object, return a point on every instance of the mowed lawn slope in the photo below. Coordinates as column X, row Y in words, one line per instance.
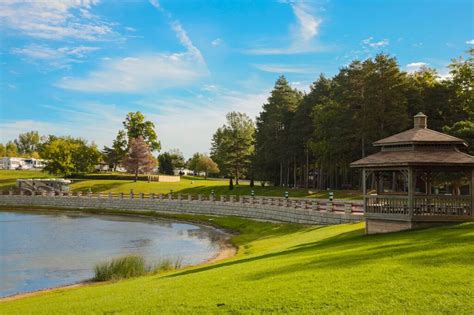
column 283, row 268
column 187, row 185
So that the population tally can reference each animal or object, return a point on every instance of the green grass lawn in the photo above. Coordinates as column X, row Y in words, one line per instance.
column 187, row 185
column 284, row 268
column 8, row 178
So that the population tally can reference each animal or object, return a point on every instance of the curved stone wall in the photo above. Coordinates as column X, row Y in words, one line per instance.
column 302, row 211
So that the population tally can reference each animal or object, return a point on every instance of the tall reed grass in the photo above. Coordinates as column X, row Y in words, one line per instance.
column 132, row 266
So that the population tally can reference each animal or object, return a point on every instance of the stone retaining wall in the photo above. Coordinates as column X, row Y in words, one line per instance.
column 291, row 213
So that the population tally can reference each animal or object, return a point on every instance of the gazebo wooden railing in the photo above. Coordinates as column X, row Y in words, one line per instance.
column 422, row 206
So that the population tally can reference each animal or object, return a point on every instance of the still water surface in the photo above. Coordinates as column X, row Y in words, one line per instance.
column 42, row 250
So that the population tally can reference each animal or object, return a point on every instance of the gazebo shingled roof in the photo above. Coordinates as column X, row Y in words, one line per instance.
column 420, row 135
column 418, row 146
column 447, row 157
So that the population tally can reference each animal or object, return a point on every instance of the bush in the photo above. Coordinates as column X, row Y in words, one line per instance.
column 120, row 268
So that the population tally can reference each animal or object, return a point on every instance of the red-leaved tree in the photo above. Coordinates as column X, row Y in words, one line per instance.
column 139, row 158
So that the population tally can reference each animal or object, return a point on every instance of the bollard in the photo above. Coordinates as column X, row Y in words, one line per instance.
column 260, row 200
column 99, row 195
column 170, row 196
column 199, row 197
column 314, row 205
column 121, row 195
column 211, row 197
column 329, row 206
column 131, row 196
column 190, row 197
column 231, row 198
column 222, row 198
column 21, row 193
column 241, row 199
column 347, row 208
column 110, row 195
column 79, row 193
column 152, row 196
column 141, row 195
column 179, row 197
column 160, row 196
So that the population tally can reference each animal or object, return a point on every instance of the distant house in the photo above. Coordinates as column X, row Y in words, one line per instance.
column 187, row 172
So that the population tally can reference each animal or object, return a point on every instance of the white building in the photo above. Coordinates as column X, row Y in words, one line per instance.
column 13, row 163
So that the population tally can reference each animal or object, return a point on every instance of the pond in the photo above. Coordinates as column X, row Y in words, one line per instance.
column 50, row 249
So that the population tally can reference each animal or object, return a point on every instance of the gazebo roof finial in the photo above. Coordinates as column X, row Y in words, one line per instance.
column 420, row 120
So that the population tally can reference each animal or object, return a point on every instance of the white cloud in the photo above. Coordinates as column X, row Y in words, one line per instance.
column 308, row 23
column 217, row 42
column 185, row 41
column 470, row 42
column 381, row 43
column 54, row 19
column 55, row 57
column 93, row 121
column 201, row 121
column 145, row 72
column 281, row 68
column 415, row 66
column 140, row 73
column 303, row 35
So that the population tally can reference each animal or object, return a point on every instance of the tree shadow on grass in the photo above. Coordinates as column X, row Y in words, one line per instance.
column 347, row 250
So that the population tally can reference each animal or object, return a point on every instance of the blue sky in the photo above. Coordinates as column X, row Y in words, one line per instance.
column 77, row 67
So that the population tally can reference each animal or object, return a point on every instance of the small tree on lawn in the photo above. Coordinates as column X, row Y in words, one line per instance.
column 207, row 165
column 139, row 158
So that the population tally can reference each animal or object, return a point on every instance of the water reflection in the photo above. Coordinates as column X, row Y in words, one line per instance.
column 41, row 250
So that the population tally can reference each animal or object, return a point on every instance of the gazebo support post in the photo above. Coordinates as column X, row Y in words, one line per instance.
column 411, row 190
column 472, row 193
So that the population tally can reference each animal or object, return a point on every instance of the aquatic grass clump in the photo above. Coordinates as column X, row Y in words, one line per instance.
column 120, row 268
column 167, row 264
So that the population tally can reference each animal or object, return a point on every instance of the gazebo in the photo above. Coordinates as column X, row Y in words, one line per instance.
column 420, row 177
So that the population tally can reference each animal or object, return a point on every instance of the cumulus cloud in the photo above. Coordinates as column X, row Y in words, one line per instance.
column 217, row 42
column 470, row 42
column 140, row 73
column 381, row 43
column 415, row 66
column 54, row 19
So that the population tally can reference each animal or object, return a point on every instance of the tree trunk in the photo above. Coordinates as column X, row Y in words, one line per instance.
column 136, row 175
column 306, row 174
column 237, row 175
column 281, row 173
column 287, row 173
column 363, row 147
column 294, row 171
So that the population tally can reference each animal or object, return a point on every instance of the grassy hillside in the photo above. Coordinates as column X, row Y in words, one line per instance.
column 187, row 185
column 283, row 268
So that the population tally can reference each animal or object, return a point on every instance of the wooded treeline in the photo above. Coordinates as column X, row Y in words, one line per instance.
column 309, row 139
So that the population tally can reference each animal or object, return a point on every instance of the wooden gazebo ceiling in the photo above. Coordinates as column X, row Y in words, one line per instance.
column 420, row 157
column 420, row 136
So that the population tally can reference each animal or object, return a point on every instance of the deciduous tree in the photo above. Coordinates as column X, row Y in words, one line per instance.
column 139, row 158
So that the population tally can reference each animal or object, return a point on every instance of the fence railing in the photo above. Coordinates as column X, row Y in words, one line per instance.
column 335, row 206
column 426, row 205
